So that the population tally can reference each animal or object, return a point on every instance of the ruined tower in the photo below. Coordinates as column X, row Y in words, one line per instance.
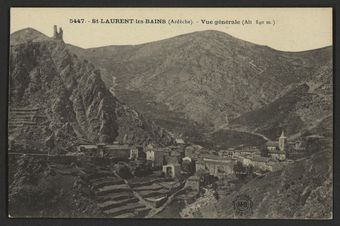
column 56, row 34
column 282, row 141
column 61, row 33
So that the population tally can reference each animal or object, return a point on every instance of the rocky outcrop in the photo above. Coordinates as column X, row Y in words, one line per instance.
column 72, row 99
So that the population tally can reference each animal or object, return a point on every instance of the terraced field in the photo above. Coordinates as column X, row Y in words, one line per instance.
column 114, row 197
column 18, row 117
column 22, row 121
column 155, row 191
column 100, row 191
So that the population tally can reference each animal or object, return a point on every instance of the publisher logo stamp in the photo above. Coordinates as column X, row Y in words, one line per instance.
column 243, row 205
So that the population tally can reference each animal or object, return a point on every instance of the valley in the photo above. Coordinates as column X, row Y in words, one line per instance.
column 179, row 127
column 207, row 80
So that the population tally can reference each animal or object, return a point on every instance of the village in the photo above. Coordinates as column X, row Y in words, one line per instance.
column 129, row 180
column 157, row 175
column 144, row 180
column 187, row 159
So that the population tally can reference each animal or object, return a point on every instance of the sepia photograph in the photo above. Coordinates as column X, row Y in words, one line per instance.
column 217, row 113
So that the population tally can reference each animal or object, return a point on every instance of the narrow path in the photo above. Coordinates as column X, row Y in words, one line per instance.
column 315, row 124
column 251, row 132
column 155, row 211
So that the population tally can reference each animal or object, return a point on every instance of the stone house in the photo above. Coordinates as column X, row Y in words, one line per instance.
column 89, row 150
column 171, row 170
column 180, row 141
column 106, row 150
column 115, row 151
column 219, row 167
column 156, row 157
column 199, row 165
column 136, row 152
column 172, row 154
column 226, row 154
column 249, row 150
column 274, row 152
column 193, row 151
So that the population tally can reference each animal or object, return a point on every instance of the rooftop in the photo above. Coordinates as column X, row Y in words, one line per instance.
column 194, row 177
column 259, row 159
column 88, row 145
column 108, row 146
column 215, row 158
column 272, row 144
column 179, row 141
column 117, row 146
column 277, row 151
column 173, row 164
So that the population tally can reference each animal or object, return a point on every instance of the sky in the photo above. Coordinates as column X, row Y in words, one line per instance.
column 290, row 29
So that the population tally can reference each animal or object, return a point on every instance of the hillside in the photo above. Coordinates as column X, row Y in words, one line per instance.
column 54, row 94
column 26, row 35
column 202, row 81
column 302, row 108
column 208, row 87
column 301, row 190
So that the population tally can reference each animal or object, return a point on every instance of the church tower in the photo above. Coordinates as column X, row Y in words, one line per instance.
column 282, row 141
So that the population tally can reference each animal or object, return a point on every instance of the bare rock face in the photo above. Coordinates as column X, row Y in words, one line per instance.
column 70, row 99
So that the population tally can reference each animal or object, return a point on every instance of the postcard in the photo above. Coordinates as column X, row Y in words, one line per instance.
column 170, row 113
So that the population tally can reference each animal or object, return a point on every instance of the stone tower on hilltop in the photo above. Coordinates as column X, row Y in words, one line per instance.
column 282, row 142
column 56, row 34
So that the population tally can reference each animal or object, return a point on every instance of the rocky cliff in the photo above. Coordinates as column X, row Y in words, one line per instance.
column 71, row 103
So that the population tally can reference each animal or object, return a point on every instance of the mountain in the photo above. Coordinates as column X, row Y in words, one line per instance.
column 58, row 100
column 209, row 86
column 206, row 81
column 298, row 111
column 26, row 35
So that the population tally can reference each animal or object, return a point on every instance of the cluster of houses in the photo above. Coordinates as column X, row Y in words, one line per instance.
column 116, row 151
column 171, row 159
column 168, row 159
column 267, row 157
